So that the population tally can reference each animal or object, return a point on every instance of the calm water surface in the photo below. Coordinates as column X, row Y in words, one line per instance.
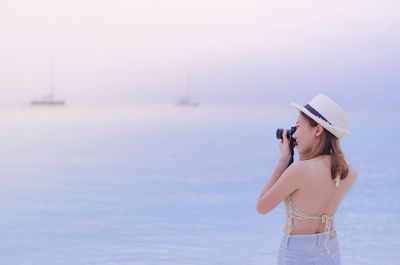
column 160, row 184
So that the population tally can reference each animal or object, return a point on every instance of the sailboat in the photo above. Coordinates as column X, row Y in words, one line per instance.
column 185, row 101
column 49, row 99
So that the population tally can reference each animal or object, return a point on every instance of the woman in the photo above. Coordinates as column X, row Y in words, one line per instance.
column 313, row 187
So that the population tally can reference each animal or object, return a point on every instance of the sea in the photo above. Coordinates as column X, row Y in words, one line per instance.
column 135, row 184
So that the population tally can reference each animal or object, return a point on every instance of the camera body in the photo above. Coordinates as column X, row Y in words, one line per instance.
column 289, row 134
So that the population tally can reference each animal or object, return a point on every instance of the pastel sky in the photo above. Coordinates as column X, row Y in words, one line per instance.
column 249, row 51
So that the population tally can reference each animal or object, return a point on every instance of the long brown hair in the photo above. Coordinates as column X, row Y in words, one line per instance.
column 329, row 145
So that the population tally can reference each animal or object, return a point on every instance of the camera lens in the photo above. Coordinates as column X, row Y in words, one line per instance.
column 279, row 133
column 289, row 133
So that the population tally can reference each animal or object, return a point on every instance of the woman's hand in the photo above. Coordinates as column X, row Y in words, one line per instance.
column 284, row 146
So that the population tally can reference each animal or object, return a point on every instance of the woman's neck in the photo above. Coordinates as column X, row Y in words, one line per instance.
column 307, row 156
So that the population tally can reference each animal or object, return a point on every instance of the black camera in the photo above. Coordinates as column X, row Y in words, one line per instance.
column 289, row 134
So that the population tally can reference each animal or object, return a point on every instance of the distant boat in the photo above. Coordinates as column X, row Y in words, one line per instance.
column 49, row 100
column 185, row 101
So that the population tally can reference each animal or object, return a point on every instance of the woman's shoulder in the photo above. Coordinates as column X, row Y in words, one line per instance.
column 352, row 172
column 310, row 164
column 313, row 167
column 301, row 167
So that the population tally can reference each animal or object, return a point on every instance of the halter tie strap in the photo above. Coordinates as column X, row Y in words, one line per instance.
column 292, row 212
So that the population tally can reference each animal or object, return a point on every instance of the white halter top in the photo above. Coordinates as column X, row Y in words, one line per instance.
column 292, row 212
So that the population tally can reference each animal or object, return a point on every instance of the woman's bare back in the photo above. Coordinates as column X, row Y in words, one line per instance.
column 319, row 195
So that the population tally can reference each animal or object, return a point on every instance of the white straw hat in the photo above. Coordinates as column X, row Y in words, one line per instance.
column 326, row 112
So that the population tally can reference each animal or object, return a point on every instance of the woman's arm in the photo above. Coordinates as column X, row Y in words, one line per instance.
column 282, row 163
column 282, row 182
column 279, row 169
column 290, row 181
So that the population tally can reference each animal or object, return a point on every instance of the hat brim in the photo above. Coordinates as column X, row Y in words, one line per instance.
column 338, row 132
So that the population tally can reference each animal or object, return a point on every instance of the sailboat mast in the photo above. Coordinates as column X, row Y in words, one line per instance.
column 188, row 83
column 52, row 78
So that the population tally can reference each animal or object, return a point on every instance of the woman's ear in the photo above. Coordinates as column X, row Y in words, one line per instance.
column 319, row 130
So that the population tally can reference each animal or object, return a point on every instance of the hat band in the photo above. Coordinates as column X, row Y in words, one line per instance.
column 316, row 113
